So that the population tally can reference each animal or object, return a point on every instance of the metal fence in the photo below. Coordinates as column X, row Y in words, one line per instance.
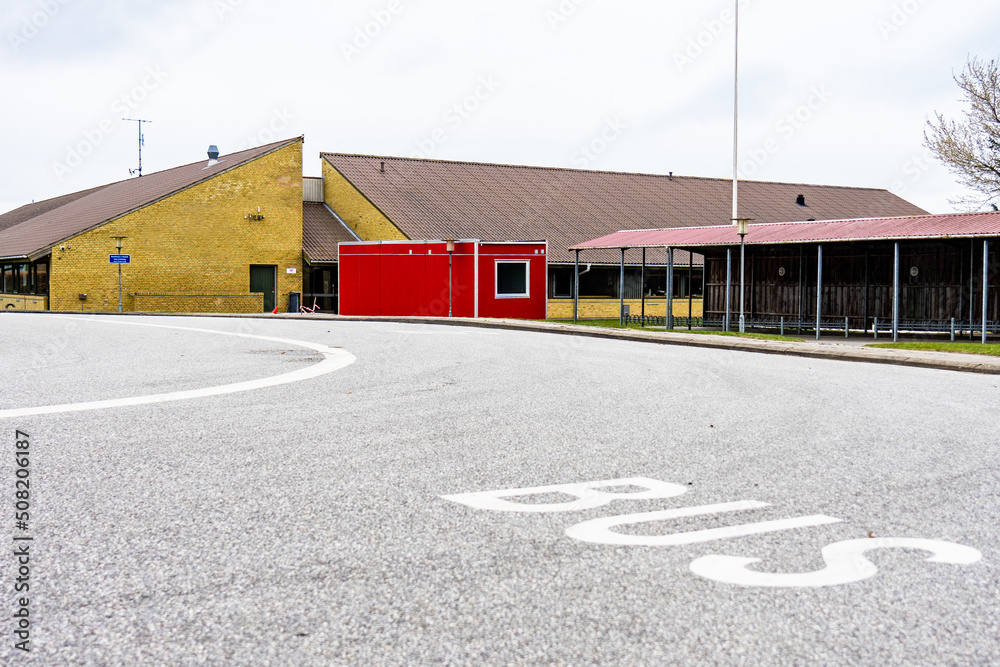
column 661, row 321
column 877, row 328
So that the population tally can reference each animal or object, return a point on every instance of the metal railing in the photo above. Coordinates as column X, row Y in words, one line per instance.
column 661, row 321
column 878, row 327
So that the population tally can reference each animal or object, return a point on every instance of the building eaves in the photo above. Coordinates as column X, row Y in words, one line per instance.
column 322, row 230
column 857, row 230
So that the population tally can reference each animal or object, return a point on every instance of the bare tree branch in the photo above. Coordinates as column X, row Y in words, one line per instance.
column 970, row 147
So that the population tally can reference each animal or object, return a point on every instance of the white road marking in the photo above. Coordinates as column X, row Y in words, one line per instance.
column 845, row 563
column 598, row 531
column 334, row 360
column 587, row 494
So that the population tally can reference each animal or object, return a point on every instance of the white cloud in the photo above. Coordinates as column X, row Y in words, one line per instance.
column 231, row 66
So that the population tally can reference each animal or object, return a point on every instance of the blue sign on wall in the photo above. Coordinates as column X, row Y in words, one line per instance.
column 120, row 259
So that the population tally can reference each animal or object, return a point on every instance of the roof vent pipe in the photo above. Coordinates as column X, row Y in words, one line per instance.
column 801, row 200
column 213, row 155
column 382, row 167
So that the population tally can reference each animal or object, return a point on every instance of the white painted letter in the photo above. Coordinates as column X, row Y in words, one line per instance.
column 587, row 494
column 845, row 563
column 598, row 531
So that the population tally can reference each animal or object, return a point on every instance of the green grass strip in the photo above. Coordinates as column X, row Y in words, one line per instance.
column 991, row 349
column 613, row 324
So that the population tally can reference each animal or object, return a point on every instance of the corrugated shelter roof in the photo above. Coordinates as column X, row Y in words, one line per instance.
column 433, row 199
column 956, row 225
column 55, row 221
column 321, row 232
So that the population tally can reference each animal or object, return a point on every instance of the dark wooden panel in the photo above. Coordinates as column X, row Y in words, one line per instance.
column 939, row 280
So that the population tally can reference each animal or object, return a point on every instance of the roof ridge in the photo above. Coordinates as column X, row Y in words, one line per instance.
column 169, row 187
column 94, row 189
column 670, row 176
column 222, row 157
column 883, row 217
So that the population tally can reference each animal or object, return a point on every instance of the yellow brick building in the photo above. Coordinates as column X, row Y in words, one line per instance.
column 391, row 198
column 242, row 232
column 220, row 235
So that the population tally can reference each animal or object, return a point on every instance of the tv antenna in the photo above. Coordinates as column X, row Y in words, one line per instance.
column 142, row 140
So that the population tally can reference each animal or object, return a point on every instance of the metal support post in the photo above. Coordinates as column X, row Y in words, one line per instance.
column 642, row 286
column 669, row 319
column 847, row 327
column 729, row 289
column 576, row 287
column 621, row 293
column 819, row 288
column 118, row 245
column 782, row 325
column 743, row 324
column 953, row 330
column 986, row 290
column 691, row 289
column 895, row 296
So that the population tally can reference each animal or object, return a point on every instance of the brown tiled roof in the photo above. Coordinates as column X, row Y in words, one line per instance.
column 321, row 232
column 433, row 199
column 34, row 209
column 34, row 236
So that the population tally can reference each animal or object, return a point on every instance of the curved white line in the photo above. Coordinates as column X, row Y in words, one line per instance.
column 334, row 360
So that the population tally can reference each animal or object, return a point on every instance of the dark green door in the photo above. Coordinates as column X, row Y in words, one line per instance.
column 264, row 279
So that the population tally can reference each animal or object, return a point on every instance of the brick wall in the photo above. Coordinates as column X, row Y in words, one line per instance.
column 197, row 241
column 360, row 214
column 200, row 303
column 602, row 309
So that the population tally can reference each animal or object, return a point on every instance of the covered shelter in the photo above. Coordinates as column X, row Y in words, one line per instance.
column 383, row 198
column 878, row 275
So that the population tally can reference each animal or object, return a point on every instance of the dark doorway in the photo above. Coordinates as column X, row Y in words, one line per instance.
column 265, row 279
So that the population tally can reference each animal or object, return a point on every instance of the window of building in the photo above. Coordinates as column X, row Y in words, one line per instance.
column 41, row 278
column 560, row 282
column 512, row 279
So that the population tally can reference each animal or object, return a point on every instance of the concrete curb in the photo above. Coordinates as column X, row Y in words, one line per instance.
column 947, row 361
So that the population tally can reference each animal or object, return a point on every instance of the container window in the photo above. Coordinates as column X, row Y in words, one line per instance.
column 512, row 279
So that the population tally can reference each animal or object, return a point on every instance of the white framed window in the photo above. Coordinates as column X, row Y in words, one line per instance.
column 513, row 279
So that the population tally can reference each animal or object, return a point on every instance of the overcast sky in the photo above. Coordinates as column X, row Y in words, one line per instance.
column 834, row 93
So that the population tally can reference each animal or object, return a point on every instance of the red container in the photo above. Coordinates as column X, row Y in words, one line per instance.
column 410, row 278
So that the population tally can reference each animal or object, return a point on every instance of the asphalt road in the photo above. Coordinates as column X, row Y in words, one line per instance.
column 306, row 523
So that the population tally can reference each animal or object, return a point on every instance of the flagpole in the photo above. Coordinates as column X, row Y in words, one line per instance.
column 736, row 117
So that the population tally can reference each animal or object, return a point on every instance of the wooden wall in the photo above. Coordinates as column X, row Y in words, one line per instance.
column 857, row 282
